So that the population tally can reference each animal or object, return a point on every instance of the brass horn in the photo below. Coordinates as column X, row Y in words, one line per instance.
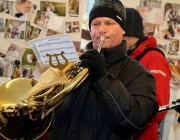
column 26, row 106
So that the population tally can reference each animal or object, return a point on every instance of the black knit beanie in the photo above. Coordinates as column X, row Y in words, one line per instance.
column 134, row 24
column 108, row 8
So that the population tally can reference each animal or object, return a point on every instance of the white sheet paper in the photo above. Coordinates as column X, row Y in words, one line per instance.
column 54, row 45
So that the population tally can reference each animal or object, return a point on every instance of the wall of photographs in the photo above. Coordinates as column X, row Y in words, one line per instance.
column 24, row 20
column 161, row 19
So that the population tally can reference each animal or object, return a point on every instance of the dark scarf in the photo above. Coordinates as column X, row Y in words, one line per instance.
column 111, row 55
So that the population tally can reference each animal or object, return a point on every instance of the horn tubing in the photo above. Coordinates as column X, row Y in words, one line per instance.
column 66, row 91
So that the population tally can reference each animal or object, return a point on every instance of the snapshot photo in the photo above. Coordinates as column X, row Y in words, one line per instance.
column 55, row 8
column 27, row 32
column 52, row 32
column 12, row 54
column 26, row 72
column 1, row 25
column 172, row 19
column 173, row 47
column 151, row 3
column 23, row 10
column 35, row 32
column 14, row 29
column 41, row 19
column 28, row 59
column 72, row 27
column 6, row 6
column 73, row 8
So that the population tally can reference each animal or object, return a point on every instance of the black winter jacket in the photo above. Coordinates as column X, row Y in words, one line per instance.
column 119, row 104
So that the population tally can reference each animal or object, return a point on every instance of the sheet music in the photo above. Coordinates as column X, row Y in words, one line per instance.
column 54, row 45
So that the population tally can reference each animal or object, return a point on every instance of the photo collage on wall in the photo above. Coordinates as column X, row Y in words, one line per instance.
column 163, row 22
column 18, row 29
column 27, row 25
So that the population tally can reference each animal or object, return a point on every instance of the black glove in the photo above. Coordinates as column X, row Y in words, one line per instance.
column 93, row 60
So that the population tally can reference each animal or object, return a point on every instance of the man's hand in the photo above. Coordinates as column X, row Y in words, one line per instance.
column 93, row 60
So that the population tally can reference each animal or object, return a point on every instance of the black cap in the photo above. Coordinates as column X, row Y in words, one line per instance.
column 134, row 23
column 108, row 8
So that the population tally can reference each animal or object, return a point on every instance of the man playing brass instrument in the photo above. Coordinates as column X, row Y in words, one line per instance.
column 118, row 97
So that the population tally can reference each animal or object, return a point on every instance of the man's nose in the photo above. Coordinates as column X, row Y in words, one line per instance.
column 102, row 28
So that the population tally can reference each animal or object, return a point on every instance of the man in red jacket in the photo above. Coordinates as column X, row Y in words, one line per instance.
column 154, row 61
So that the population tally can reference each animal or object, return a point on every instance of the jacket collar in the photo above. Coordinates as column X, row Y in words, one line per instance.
column 112, row 55
column 148, row 43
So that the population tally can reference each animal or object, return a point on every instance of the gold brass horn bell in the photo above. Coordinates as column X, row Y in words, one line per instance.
column 15, row 124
